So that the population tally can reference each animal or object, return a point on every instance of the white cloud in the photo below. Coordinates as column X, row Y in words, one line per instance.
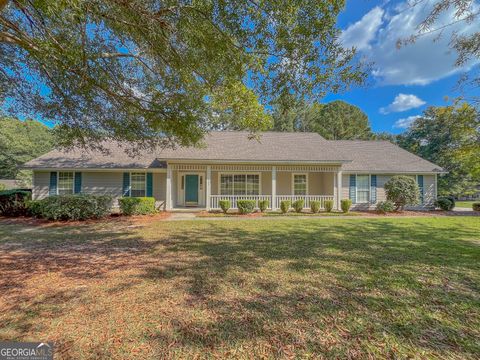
column 421, row 63
column 363, row 31
column 403, row 102
column 405, row 122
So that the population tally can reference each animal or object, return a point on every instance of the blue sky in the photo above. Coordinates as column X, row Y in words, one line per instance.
column 405, row 81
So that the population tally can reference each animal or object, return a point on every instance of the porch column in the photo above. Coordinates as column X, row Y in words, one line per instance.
column 168, row 193
column 274, row 188
column 339, row 189
column 208, row 183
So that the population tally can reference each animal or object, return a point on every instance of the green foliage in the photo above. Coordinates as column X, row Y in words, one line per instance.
column 72, row 207
column 149, row 68
column 285, row 206
column 402, row 190
column 315, row 206
column 137, row 205
column 448, row 136
column 385, row 206
column 21, row 141
column 263, row 205
column 298, row 205
column 444, row 203
column 245, row 206
column 345, row 205
column 2, row 187
column 14, row 202
column 329, row 205
column 336, row 120
column 225, row 205
column 476, row 206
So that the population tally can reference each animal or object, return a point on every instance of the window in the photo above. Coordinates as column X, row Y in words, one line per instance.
column 239, row 184
column 65, row 183
column 363, row 188
column 137, row 184
column 299, row 184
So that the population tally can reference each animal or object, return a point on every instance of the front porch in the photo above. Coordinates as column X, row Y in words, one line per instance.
column 198, row 186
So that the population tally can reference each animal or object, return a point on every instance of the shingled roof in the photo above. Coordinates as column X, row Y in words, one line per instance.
column 236, row 146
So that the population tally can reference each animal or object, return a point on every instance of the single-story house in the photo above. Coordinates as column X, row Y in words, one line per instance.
column 277, row 166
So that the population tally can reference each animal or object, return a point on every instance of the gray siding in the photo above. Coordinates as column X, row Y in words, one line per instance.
column 41, row 184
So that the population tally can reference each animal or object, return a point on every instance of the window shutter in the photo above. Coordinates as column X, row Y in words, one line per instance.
column 149, row 184
column 78, row 183
column 53, row 183
column 353, row 188
column 373, row 189
column 420, row 185
column 126, row 184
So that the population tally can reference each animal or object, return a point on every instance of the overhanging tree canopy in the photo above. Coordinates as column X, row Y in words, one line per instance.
column 134, row 70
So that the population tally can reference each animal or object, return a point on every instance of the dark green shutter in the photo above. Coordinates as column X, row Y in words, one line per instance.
column 373, row 189
column 78, row 183
column 149, row 184
column 353, row 189
column 53, row 183
column 420, row 186
column 126, row 184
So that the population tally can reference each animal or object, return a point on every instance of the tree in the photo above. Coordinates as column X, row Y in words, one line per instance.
column 149, row 71
column 466, row 45
column 402, row 191
column 21, row 141
column 450, row 137
column 336, row 120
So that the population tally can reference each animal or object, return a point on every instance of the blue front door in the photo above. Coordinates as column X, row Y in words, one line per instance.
column 191, row 189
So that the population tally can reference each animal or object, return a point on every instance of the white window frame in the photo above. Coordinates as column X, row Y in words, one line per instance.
column 130, row 187
column 233, row 173
column 293, row 183
column 58, row 182
column 369, row 188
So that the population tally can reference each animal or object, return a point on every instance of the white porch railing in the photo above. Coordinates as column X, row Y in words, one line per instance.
column 306, row 198
column 214, row 200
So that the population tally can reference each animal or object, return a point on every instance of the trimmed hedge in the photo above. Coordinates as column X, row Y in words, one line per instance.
column 329, row 205
column 263, row 205
column 298, row 205
column 14, row 202
column 385, row 206
column 285, row 206
column 444, row 204
column 225, row 205
column 71, row 207
column 315, row 206
column 245, row 206
column 346, row 204
column 476, row 206
column 137, row 205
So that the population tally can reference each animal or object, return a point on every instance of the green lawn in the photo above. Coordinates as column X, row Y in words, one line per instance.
column 465, row 204
column 266, row 288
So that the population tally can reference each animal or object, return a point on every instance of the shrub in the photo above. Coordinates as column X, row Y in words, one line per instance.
column 315, row 206
column 444, row 204
column 2, row 187
column 385, row 206
column 346, row 204
column 452, row 200
column 225, row 205
column 476, row 206
column 285, row 206
column 329, row 205
column 245, row 206
column 402, row 190
column 298, row 205
column 263, row 205
column 137, row 205
column 71, row 207
column 14, row 202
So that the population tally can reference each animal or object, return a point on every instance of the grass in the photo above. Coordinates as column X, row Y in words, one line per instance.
column 465, row 204
column 270, row 288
